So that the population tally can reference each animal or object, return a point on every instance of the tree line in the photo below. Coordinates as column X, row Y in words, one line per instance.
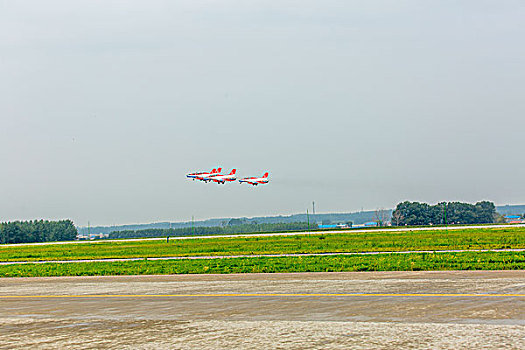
column 37, row 231
column 213, row 230
column 415, row 213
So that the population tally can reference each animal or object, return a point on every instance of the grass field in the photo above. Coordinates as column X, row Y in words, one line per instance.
column 349, row 241
column 383, row 262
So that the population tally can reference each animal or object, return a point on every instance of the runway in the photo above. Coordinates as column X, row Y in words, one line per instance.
column 384, row 310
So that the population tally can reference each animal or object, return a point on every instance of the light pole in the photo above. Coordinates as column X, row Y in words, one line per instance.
column 445, row 211
column 308, row 220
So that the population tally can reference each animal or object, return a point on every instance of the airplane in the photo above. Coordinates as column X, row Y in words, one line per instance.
column 221, row 179
column 204, row 176
column 255, row 180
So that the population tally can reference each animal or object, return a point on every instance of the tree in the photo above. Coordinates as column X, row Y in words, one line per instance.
column 37, row 231
column 397, row 217
column 414, row 213
column 381, row 216
column 485, row 212
column 500, row 219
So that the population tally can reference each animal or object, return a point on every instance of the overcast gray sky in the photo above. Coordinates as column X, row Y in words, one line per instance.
column 106, row 105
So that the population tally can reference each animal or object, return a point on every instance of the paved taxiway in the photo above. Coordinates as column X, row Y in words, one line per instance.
column 349, row 311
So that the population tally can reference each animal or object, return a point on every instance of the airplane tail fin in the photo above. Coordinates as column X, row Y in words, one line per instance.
column 214, row 171
column 233, row 172
column 219, row 170
column 265, row 175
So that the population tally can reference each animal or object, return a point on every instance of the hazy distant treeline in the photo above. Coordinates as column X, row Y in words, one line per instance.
column 335, row 218
column 201, row 231
column 415, row 213
column 37, row 231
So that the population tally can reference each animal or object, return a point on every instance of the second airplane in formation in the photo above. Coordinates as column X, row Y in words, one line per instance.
column 216, row 176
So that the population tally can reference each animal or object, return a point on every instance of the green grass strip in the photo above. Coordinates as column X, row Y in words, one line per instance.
column 351, row 241
column 383, row 262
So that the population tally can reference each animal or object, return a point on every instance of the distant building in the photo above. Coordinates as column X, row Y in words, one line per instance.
column 327, row 226
column 514, row 219
column 334, row 226
column 92, row 236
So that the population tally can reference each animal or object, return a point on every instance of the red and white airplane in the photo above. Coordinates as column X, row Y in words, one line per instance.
column 255, row 180
column 204, row 176
column 221, row 179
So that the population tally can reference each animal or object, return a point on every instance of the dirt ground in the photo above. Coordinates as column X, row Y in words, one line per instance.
column 131, row 311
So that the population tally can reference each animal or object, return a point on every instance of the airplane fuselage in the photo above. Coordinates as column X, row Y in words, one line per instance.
column 255, row 180
column 204, row 176
column 222, row 179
